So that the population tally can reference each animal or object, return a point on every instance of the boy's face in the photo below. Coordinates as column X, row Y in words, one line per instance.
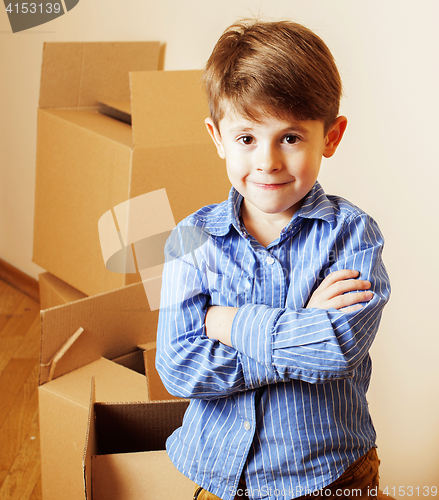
column 274, row 162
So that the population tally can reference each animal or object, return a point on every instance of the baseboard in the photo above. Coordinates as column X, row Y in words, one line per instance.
column 19, row 280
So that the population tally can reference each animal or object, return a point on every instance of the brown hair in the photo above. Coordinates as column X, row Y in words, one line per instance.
column 281, row 67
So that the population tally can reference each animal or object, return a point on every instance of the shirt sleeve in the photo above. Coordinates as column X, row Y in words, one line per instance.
column 316, row 345
column 190, row 364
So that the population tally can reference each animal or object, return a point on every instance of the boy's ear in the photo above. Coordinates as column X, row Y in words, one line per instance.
column 334, row 136
column 216, row 137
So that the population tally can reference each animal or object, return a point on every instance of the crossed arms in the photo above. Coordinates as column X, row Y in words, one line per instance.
column 206, row 351
column 332, row 293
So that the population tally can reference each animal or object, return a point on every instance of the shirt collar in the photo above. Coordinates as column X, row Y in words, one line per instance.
column 316, row 205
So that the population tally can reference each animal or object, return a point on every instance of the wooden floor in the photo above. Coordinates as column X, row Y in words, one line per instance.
column 20, row 473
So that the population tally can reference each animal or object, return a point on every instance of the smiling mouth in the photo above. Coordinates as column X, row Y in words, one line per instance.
column 271, row 186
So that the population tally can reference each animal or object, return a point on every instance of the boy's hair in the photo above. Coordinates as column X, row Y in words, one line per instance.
column 281, row 67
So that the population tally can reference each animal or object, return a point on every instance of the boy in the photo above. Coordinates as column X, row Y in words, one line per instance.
column 256, row 326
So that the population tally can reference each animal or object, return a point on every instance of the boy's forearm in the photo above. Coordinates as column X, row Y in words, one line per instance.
column 218, row 323
column 219, row 319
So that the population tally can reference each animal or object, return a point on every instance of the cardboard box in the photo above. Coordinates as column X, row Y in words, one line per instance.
column 89, row 162
column 125, row 457
column 55, row 292
column 63, row 405
column 95, row 336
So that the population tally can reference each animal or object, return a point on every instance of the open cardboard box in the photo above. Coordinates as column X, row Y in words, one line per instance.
column 89, row 162
column 125, row 457
column 92, row 337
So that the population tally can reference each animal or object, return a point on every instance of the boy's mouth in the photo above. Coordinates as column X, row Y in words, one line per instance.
column 271, row 186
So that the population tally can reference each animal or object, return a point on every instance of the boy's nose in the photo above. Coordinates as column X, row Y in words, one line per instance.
column 268, row 160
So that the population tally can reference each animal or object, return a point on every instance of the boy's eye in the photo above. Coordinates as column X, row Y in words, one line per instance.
column 291, row 139
column 246, row 140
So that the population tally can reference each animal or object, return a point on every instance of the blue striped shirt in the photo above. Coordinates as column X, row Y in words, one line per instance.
column 286, row 405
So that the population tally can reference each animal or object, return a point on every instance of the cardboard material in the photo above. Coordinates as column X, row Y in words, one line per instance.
column 55, row 292
column 126, row 450
column 111, row 328
column 119, row 110
column 134, row 361
column 156, row 389
column 89, row 162
column 128, row 236
column 146, row 475
column 63, row 412
column 91, row 444
column 79, row 74
column 114, row 324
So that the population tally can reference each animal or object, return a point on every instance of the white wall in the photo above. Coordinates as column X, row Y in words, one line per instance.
column 388, row 55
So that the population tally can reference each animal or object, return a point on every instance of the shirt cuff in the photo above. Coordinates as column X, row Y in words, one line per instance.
column 252, row 329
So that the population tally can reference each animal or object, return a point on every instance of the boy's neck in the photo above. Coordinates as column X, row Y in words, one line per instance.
column 264, row 227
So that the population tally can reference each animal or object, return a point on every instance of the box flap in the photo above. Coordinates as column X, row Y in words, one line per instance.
column 156, row 390
column 55, row 292
column 94, row 123
column 114, row 324
column 113, row 382
column 168, row 109
column 79, row 74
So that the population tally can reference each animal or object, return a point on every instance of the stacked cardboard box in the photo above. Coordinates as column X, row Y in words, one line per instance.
column 89, row 162
column 111, row 128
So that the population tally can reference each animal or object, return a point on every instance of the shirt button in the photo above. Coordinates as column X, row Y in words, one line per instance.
column 269, row 260
column 247, row 425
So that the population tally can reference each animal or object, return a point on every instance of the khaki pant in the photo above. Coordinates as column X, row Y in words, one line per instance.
column 359, row 481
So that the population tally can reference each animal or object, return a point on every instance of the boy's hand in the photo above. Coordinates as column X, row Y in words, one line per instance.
column 218, row 323
column 332, row 292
